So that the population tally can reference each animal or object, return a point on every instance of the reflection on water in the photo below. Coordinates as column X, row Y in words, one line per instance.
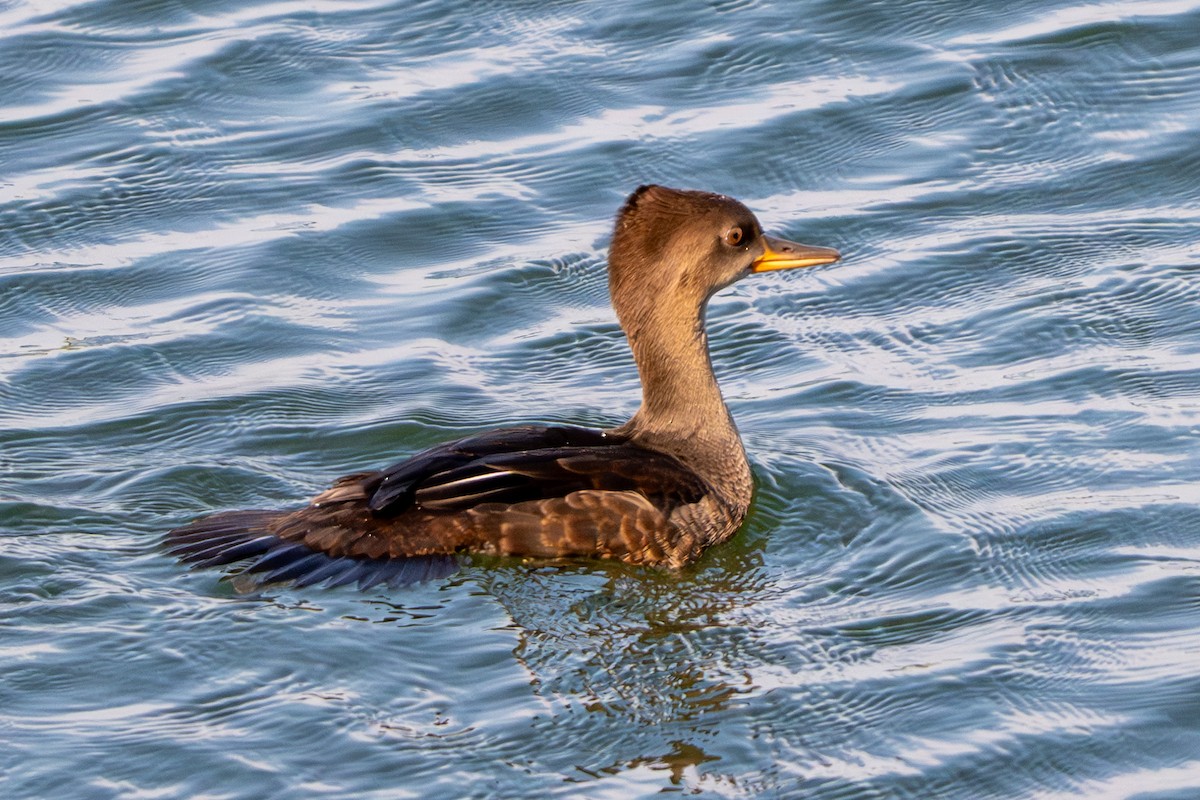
column 247, row 248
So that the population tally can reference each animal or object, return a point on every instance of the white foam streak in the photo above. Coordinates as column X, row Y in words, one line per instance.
column 917, row 755
column 1135, row 783
column 247, row 379
column 639, row 123
column 562, row 240
column 143, row 69
column 236, row 233
column 1065, row 19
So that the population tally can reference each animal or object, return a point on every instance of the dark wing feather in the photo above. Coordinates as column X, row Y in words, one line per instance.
column 517, row 477
column 239, row 535
column 392, row 490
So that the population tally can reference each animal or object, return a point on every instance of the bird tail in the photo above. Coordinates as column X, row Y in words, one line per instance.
column 224, row 538
column 233, row 536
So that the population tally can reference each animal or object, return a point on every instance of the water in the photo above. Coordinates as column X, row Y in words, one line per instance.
column 248, row 247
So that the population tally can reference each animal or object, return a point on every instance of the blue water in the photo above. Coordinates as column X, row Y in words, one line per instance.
column 248, row 247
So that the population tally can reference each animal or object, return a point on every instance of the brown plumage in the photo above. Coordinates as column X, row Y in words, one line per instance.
column 659, row 489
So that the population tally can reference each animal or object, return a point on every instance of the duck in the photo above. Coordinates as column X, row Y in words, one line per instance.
column 657, row 490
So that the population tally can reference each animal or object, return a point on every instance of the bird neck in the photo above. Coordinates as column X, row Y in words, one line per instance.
column 682, row 411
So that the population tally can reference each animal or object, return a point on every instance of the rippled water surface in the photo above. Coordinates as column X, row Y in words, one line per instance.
column 248, row 247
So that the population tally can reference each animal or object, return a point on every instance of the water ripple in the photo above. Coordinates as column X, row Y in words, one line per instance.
column 247, row 248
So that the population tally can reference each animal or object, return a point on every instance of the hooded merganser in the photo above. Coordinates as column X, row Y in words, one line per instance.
column 658, row 490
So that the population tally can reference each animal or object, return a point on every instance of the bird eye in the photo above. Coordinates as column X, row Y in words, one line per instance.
column 733, row 237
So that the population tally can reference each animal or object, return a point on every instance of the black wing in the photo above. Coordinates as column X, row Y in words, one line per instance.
column 527, row 463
